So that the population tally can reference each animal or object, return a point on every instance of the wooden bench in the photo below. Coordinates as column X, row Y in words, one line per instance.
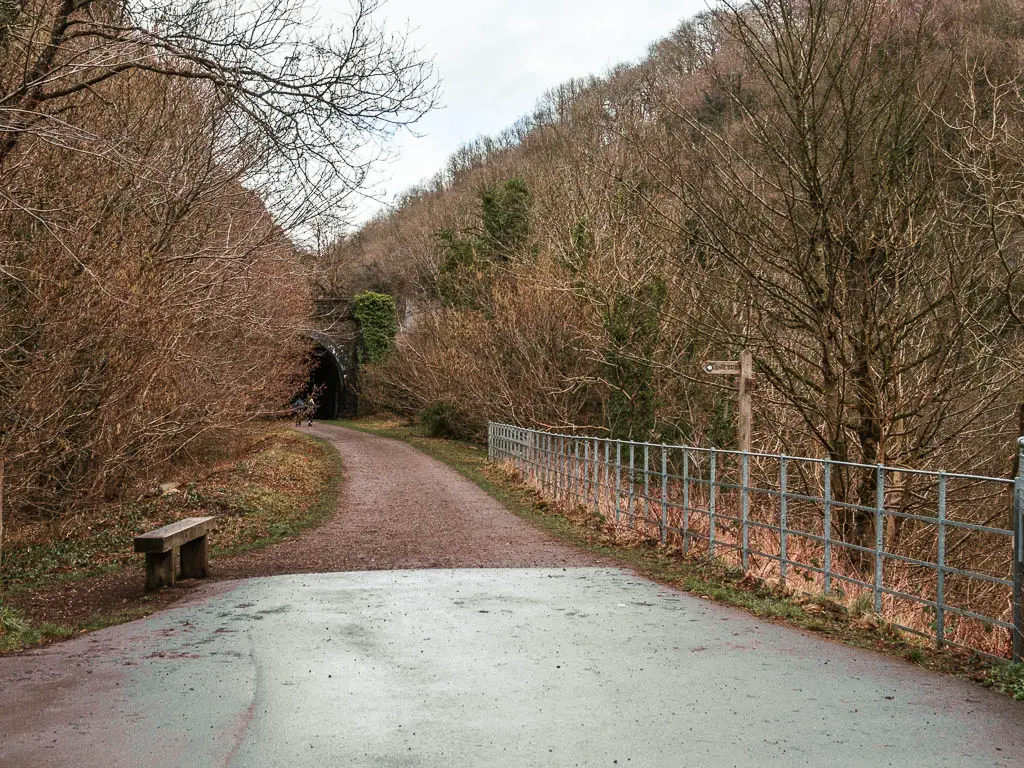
column 161, row 546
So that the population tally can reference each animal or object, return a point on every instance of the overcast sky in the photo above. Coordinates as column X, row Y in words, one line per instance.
column 497, row 57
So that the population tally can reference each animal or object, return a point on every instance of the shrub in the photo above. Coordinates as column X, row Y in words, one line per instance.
column 440, row 419
column 378, row 324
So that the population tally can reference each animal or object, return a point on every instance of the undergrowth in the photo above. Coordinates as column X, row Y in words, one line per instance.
column 16, row 632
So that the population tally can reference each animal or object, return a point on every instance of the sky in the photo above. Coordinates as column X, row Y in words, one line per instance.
column 496, row 58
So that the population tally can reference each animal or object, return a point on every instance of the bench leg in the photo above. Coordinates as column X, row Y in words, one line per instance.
column 159, row 570
column 194, row 561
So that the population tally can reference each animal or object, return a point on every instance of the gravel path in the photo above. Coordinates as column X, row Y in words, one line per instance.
column 402, row 509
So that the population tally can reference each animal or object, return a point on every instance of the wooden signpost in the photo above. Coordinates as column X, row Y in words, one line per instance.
column 743, row 369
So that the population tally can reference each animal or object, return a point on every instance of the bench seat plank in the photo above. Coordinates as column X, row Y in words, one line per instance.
column 173, row 535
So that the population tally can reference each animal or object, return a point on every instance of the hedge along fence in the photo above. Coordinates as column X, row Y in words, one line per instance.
column 928, row 552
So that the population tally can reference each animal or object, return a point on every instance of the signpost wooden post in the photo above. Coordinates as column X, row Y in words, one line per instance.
column 743, row 369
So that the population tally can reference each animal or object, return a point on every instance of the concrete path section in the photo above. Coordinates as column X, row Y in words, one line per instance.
column 521, row 667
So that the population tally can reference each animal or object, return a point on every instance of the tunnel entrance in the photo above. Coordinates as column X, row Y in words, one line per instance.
column 336, row 396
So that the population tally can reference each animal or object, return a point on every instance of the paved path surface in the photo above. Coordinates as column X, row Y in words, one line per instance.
column 547, row 666
column 525, row 667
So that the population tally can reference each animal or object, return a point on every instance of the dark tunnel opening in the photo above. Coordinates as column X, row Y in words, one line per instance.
column 336, row 396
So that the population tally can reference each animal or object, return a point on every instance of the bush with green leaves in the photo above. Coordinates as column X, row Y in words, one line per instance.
column 440, row 419
column 378, row 323
column 468, row 257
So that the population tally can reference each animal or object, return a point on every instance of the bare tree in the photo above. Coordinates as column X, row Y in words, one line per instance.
column 821, row 187
column 306, row 99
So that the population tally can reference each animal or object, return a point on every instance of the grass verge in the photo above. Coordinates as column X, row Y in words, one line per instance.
column 711, row 580
column 281, row 483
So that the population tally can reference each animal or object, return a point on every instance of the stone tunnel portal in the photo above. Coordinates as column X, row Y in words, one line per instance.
column 333, row 377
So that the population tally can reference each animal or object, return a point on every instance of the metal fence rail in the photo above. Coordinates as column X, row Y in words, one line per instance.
column 926, row 550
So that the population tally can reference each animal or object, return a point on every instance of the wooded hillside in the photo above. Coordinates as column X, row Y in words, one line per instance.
column 837, row 185
column 157, row 162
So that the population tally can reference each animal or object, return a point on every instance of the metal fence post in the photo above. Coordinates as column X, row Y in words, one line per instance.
column 879, row 533
column 574, row 480
column 1018, row 556
column 557, row 461
column 559, row 476
column 522, row 441
column 549, row 464
column 597, row 479
column 745, row 508
column 940, row 569
column 524, row 452
column 711, row 506
column 618, row 478
column 630, row 509
column 567, row 469
column 546, row 459
column 783, row 523
column 664, row 494
column 686, row 500
column 530, row 456
column 553, row 463
column 607, row 464
column 586, row 472
column 827, row 527
column 563, row 466
column 647, row 483
column 566, row 476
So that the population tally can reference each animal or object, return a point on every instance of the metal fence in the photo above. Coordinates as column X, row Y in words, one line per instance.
column 936, row 554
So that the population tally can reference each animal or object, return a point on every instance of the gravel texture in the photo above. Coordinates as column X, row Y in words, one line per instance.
column 402, row 509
